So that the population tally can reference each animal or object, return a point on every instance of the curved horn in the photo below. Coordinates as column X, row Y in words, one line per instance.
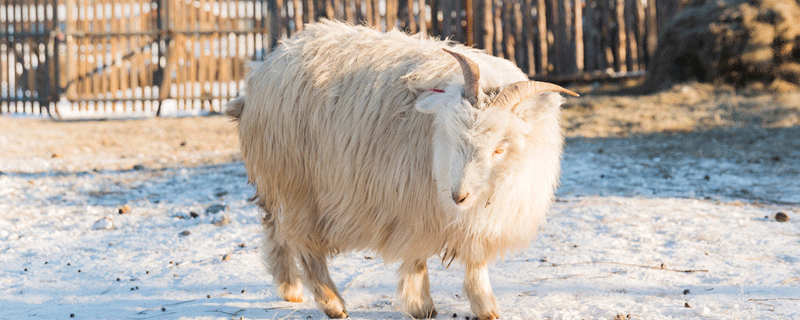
column 471, row 76
column 516, row 92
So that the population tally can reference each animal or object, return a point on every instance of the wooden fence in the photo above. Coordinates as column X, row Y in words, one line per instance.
column 159, row 56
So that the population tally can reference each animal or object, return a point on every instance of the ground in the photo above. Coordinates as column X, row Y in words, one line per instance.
column 666, row 211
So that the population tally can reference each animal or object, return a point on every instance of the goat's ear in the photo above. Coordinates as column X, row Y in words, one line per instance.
column 538, row 105
column 433, row 101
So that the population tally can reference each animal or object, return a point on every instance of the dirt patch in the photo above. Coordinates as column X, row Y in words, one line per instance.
column 741, row 42
column 40, row 144
column 697, row 120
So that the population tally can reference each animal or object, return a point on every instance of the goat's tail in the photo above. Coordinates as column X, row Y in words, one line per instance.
column 235, row 107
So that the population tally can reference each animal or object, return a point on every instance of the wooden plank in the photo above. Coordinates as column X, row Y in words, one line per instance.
column 308, row 11
column 349, row 12
column 423, row 19
column 579, row 50
column 370, row 19
column 630, row 26
column 376, row 14
column 621, row 36
column 391, row 14
column 541, row 24
column 640, row 34
column 652, row 29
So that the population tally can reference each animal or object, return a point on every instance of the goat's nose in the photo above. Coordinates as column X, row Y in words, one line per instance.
column 460, row 198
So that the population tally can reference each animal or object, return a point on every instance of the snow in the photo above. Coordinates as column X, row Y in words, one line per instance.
column 617, row 220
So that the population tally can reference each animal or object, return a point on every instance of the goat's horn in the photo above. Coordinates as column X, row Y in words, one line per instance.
column 516, row 92
column 471, row 76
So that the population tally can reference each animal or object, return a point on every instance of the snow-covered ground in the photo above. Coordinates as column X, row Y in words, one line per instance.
column 671, row 238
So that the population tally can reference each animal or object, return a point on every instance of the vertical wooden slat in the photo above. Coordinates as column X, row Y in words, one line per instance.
column 527, row 35
column 298, row 15
column 541, row 19
column 376, row 14
column 630, row 24
column 368, row 13
column 579, row 50
column 640, row 34
column 391, row 14
column 652, row 28
column 621, row 36
column 423, row 19
column 349, row 11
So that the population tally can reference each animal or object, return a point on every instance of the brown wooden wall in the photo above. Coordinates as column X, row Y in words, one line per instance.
column 132, row 55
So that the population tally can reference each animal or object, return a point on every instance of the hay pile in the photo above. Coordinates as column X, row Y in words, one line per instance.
column 747, row 43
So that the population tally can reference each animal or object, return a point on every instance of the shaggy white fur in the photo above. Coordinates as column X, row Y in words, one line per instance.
column 349, row 149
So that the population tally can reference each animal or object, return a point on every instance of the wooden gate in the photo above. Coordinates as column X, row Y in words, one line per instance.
column 146, row 57
column 89, row 58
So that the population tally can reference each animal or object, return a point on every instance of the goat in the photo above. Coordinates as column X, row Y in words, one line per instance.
column 403, row 145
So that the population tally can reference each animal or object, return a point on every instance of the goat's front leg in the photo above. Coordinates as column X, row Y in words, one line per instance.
column 415, row 290
column 479, row 291
column 319, row 281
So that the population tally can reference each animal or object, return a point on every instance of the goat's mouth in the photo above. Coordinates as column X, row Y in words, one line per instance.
column 463, row 200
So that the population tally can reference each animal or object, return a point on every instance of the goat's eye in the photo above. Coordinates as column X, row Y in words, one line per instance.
column 499, row 151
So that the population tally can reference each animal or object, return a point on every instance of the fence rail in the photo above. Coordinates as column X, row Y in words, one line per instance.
column 67, row 57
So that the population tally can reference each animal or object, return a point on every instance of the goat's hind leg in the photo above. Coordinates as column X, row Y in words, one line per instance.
column 280, row 259
column 414, row 289
column 319, row 281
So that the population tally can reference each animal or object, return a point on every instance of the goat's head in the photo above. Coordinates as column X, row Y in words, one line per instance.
column 483, row 136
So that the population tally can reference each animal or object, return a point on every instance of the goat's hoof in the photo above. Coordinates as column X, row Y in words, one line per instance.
column 491, row 315
column 291, row 293
column 336, row 314
column 424, row 314
column 296, row 299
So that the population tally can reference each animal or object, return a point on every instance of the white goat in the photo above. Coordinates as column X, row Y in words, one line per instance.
column 360, row 140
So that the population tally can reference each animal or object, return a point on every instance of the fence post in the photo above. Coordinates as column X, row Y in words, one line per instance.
column 165, row 72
